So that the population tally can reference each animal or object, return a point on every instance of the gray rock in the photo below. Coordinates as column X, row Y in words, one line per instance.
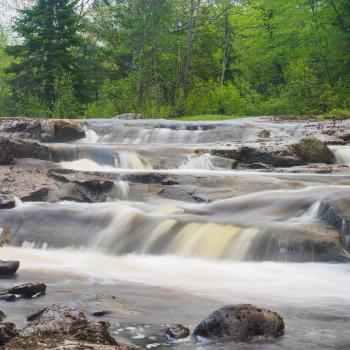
column 64, row 321
column 240, row 322
column 28, row 290
column 8, row 268
column 177, row 331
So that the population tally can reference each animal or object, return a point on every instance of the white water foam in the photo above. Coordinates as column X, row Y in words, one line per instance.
column 342, row 154
column 262, row 283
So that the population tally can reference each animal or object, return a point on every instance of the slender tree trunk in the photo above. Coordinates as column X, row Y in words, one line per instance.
column 226, row 51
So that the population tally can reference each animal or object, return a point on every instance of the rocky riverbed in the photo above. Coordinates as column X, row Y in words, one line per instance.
column 153, row 213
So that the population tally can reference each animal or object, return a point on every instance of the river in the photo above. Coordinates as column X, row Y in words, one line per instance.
column 258, row 238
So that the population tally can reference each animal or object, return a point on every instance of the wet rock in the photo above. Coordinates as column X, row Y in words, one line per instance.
column 30, row 128
column 345, row 136
column 7, row 202
column 2, row 316
column 21, row 148
column 177, row 331
column 240, row 322
column 67, row 131
column 313, row 151
column 45, row 343
column 8, row 268
column 337, row 214
column 28, row 290
column 101, row 313
column 63, row 320
column 264, row 134
column 224, row 163
column 8, row 297
column 7, row 332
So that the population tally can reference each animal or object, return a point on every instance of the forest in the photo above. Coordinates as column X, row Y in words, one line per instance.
column 174, row 58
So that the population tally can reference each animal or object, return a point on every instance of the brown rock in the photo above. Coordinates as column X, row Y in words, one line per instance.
column 240, row 322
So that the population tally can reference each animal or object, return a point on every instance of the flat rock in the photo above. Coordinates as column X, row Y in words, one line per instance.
column 8, row 268
column 240, row 322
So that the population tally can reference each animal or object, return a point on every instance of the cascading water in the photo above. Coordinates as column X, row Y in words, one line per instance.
column 342, row 154
column 268, row 246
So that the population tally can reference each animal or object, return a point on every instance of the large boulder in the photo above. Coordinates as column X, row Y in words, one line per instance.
column 240, row 322
column 61, row 327
column 64, row 321
column 313, row 151
column 8, row 268
column 67, row 131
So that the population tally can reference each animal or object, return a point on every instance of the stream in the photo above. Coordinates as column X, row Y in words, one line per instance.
column 155, row 261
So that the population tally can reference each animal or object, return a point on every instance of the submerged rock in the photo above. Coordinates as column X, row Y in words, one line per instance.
column 240, row 322
column 8, row 268
column 61, row 327
column 177, row 331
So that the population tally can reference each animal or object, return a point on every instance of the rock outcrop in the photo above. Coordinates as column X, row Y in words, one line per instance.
column 240, row 322
column 304, row 152
column 42, row 130
column 61, row 327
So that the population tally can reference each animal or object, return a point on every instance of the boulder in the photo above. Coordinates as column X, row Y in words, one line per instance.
column 177, row 331
column 240, row 322
column 7, row 332
column 313, row 151
column 61, row 327
column 67, row 131
column 8, row 268
column 67, row 323
column 27, row 290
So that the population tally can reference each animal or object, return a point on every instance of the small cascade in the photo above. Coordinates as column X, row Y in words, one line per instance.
column 342, row 154
column 123, row 189
column 91, row 136
column 203, row 162
column 130, row 160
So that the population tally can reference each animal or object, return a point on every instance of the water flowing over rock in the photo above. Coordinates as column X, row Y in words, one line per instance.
column 240, row 322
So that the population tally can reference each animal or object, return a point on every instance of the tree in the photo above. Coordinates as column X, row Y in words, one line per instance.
column 49, row 34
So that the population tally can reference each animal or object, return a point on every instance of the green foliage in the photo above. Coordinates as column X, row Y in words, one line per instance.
column 173, row 58
column 338, row 114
